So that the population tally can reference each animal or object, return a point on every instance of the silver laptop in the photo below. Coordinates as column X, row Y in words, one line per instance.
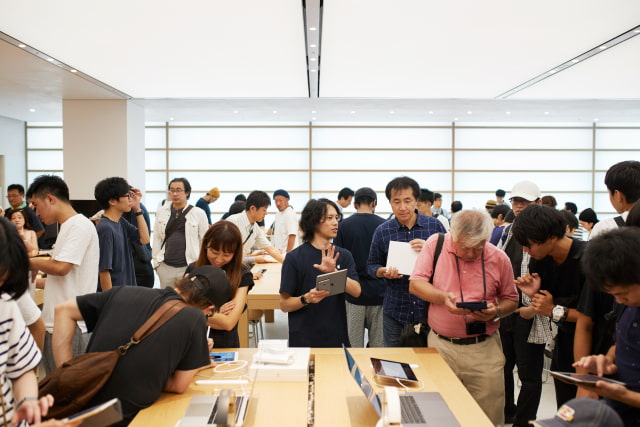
column 209, row 409
column 417, row 409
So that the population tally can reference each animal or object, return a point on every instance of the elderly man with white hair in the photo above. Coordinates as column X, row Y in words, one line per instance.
column 468, row 270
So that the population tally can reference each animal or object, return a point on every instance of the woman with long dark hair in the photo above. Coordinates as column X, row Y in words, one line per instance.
column 222, row 247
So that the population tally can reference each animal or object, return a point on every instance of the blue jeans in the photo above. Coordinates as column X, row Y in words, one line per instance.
column 391, row 329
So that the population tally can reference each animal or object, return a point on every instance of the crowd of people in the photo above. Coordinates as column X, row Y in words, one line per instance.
column 543, row 285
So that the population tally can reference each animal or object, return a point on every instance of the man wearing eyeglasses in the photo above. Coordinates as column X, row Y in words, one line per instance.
column 177, row 233
column 116, row 234
column 15, row 196
column 468, row 270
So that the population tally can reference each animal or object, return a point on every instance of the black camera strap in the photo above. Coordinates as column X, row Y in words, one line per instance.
column 484, row 280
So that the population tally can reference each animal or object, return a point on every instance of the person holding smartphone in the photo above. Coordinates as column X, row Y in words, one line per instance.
column 222, row 247
column 468, row 270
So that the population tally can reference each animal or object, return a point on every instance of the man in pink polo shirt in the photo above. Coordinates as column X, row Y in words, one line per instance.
column 468, row 270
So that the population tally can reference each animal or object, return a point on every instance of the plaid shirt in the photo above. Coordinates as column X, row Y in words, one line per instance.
column 398, row 302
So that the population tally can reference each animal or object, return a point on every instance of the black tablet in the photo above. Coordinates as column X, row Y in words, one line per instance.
column 472, row 305
column 581, row 379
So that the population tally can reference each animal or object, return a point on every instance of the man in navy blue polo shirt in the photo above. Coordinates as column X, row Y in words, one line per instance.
column 610, row 263
column 407, row 225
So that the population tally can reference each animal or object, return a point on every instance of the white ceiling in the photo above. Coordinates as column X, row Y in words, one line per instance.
column 404, row 61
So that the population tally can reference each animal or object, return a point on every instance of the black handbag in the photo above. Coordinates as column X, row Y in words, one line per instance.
column 415, row 334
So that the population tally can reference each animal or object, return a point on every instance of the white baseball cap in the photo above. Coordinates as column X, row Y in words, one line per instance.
column 526, row 190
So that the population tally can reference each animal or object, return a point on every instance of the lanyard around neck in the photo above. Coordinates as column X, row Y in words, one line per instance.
column 484, row 277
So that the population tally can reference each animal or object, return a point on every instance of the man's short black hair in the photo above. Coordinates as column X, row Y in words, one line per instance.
column 500, row 210
column 345, row 193
column 313, row 214
column 571, row 207
column 500, row 193
column 49, row 184
column 402, row 183
column 18, row 187
column 570, row 219
column 612, row 259
column 456, row 206
column 110, row 189
column 437, row 196
column 538, row 223
column 257, row 198
column 14, row 261
column 427, row 195
column 185, row 182
column 624, row 177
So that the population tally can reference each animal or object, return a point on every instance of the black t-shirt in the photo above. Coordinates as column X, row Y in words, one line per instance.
column 564, row 281
column 355, row 234
column 315, row 325
column 141, row 374
column 222, row 338
column 599, row 306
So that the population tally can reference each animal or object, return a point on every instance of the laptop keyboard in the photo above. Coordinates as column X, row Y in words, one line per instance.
column 410, row 412
column 241, row 402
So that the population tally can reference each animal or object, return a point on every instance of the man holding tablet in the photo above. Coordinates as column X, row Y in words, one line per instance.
column 610, row 264
column 315, row 318
column 468, row 270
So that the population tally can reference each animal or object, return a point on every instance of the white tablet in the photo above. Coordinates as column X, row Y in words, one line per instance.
column 335, row 282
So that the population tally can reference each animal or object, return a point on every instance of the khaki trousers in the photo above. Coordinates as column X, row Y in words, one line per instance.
column 480, row 369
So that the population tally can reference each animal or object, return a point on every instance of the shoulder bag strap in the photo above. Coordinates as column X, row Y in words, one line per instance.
column 619, row 221
column 159, row 318
column 436, row 255
column 171, row 228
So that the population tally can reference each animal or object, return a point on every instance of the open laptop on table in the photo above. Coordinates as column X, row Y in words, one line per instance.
column 213, row 409
column 417, row 408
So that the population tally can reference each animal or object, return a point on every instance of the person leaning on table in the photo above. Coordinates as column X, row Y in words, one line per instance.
column 166, row 360
column 468, row 269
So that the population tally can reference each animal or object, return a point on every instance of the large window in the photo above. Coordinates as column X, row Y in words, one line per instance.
column 463, row 162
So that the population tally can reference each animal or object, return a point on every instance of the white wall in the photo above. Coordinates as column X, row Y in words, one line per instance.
column 13, row 170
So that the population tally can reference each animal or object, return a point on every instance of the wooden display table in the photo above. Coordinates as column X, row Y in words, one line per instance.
column 338, row 399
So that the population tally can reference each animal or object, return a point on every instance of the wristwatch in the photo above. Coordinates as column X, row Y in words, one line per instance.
column 303, row 300
column 498, row 314
column 137, row 213
column 559, row 313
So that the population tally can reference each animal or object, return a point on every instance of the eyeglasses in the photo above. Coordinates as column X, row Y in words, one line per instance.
column 13, row 196
column 128, row 195
column 175, row 190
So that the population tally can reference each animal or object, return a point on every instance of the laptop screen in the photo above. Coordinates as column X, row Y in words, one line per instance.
column 362, row 381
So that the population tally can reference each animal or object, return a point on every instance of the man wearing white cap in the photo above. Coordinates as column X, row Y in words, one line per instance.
column 521, row 346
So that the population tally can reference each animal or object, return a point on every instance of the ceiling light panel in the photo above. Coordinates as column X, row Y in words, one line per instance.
column 463, row 49
column 166, row 49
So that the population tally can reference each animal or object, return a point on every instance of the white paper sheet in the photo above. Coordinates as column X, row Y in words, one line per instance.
column 402, row 257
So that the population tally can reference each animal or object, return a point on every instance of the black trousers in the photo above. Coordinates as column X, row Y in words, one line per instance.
column 561, row 361
column 529, row 358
